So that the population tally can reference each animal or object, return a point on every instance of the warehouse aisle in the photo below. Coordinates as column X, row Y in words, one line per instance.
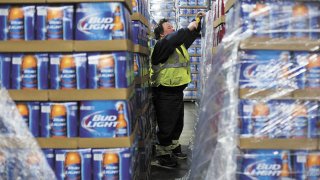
column 158, row 173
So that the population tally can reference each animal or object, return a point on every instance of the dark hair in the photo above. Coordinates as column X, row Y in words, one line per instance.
column 159, row 28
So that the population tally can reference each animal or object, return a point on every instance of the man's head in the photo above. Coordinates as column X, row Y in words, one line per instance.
column 163, row 28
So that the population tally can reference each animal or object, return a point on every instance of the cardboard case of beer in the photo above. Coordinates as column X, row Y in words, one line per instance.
column 279, row 119
column 73, row 164
column 59, row 119
column 68, row 71
column 108, row 119
column 5, row 70
column 54, row 23
column 112, row 164
column 30, row 71
column 17, row 22
column 110, row 70
column 30, row 113
column 102, row 21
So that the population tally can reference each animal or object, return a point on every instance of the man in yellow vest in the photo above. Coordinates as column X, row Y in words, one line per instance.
column 170, row 75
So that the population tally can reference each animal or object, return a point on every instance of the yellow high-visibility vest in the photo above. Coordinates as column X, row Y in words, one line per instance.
column 174, row 72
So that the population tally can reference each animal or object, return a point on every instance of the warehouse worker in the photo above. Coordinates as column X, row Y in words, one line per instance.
column 170, row 75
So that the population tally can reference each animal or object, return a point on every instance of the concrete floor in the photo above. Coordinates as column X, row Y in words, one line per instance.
column 158, row 173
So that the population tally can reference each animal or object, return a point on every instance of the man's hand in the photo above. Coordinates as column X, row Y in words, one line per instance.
column 201, row 14
column 193, row 25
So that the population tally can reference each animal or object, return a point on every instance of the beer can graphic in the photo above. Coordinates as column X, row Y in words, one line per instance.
column 30, row 112
column 306, row 165
column 30, row 71
column 59, row 119
column 73, row 164
column 50, row 157
column 5, row 70
column 105, row 119
column 54, row 23
column 114, row 70
column 17, row 22
column 264, row 164
column 102, row 21
column 300, row 21
column 68, row 71
column 309, row 69
column 112, row 164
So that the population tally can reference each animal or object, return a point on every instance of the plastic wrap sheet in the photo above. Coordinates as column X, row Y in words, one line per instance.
column 259, row 113
column 20, row 155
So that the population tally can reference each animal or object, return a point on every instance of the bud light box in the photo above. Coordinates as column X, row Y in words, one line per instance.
column 54, row 23
column 105, row 118
column 68, row 71
column 59, row 119
column 112, row 164
column 30, row 113
column 102, row 21
column 306, row 164
column 264, row 164
column 30, row 71
column 50, row 156
column 279, row 119
column 267, row 69
column 73, row 164
column 114, row 70
column 17, row 22
column 5, row 70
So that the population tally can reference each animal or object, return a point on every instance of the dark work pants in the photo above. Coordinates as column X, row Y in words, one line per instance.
column 169, row 107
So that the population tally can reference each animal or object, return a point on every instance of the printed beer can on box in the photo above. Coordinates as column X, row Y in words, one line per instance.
column 17, row 22
column 306, row 165
column 102, row 21
column 112, row 164
column 105, row 118
column 30, row 71
column 59, row 119
column 5, row 70
column 264, row 165
column 73, row 164
column 68, row 71
column 30, row 113
column 114, row 70
column 308, row 73
column 54, row 23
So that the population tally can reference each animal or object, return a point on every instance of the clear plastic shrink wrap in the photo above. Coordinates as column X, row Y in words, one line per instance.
column 259, row 111
column 20, row 156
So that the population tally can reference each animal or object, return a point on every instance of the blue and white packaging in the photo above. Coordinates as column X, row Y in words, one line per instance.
column 308, row 72
column 30, row 113
column 264, row 164
column 102, row 21
column 50, row 156
column 114, row 70
column 105, row 119
column 306, row 165
column 54, row 23
column 68, row 71
column 267, row 69
column 59, row 119
column 17, row 22
column 30, row 71
column 112, row 164
column 5, row 70
column 73, row 164
column 279, row 119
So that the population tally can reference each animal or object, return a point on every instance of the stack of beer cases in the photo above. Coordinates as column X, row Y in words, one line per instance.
column 160, row 9
column 275, row 64
column 72, row 74
column 143, row 94
column 186, row 11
